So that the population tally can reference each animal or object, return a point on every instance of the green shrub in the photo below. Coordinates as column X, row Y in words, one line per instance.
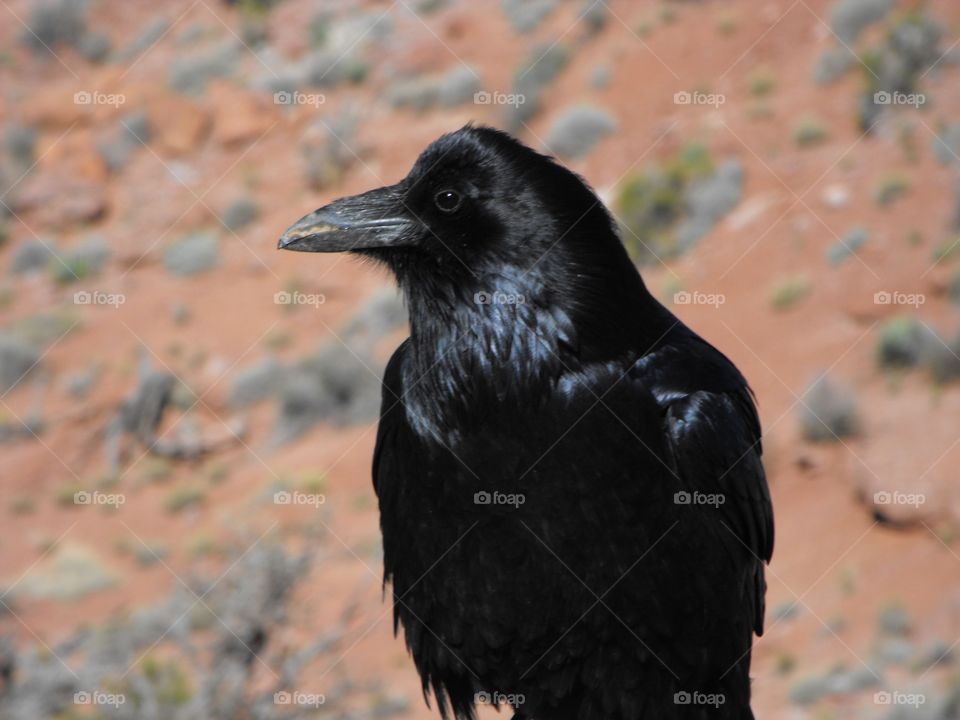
column 809, row 131
column 183, row 498
column 900, row 343
column 890, row 189
column 650, row 203
column 761, row 82
column 788, row 292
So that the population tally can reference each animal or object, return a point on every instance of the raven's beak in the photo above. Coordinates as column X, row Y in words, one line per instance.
column 374, row 219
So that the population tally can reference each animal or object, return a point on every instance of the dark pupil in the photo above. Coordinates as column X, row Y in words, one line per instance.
column 447, row 200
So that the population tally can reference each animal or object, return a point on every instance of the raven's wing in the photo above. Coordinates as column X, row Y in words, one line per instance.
column 714, row 440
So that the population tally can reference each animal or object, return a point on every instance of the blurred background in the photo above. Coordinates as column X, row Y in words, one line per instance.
column 187, row 415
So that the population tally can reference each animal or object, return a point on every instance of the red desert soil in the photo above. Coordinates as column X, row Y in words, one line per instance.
column 830, row 553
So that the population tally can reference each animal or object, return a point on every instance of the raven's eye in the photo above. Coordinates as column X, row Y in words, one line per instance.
column 447, row 200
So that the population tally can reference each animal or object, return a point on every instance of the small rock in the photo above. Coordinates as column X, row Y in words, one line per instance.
column 31, row 256
column 836, row 196
column 240, row 213
column 17, row 359
column 193, row 254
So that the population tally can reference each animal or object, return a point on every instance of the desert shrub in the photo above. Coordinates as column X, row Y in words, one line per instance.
column 454, row 87
column 319, row 30
column 180, row 499
column 940, row 357
column 953, row 289
column 17, row 359
column 809, row 690
column 785, row 611
column 900, row 342
column 85, row 259
column 809, row 131
column 594, row 15
column 117, row 146
column 946, row 143
column 708, row 200
column 151, row 33
column 382, row 313
column 42, row 328
column 525, row 15
column 240, row 213
column 893, row 620
column 332, row 385
column 189, row 75
column 195, row 253
column 576, row 131
column 531, row 79
column 327, row 68
column 191, row 660
column 833, row 64
column 848, row 18
column 31, row 256
column 761, row 82
column 21, row 142
column 458, row 86
column 54, row 23
column 828, row 411
column 852, row 240
column 789, row 291
column 890, row 189
column 326, row 149
column 666, row 208
column 909, row 49
column 94, row 46
column 255, row 383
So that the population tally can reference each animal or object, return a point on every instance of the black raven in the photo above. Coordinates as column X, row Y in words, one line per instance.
column 575, row 515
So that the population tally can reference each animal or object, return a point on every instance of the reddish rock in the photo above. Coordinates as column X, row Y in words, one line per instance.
column 74, row 154
column 239, row 116
column 180, row 124
column 54, row 107
column 56, row 199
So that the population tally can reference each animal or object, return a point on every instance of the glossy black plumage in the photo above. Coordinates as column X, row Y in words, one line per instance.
column 540, row 367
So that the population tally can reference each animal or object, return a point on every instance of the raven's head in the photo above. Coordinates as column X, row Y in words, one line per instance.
column 481, row 220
